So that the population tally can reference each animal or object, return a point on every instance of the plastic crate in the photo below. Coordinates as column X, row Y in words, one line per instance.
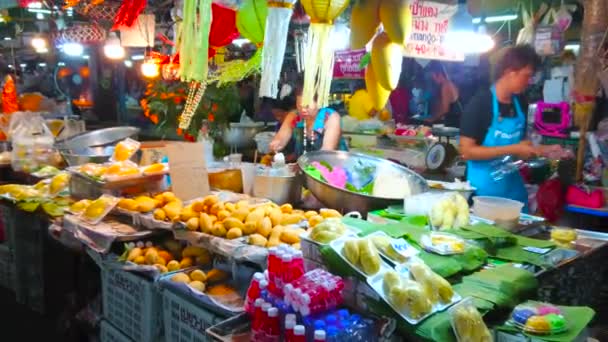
column 132, row 304
column 109, row 333
column 7, row 268
column 184, row 321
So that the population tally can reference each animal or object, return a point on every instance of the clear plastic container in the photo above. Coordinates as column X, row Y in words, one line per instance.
column 539, row 318
column 467, row 323
column 502, row 211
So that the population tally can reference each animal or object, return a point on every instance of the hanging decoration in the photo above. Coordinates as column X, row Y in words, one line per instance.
column 299, row 15
column 223, row 28
column 319, row 61
column 128, row 12
column 275, row 41
column 141, row 34
column 97, row 10
column 80, row 33
column 170, row 70
column 9, row 96
column 251, row 22
column 193, row 47
column 299, row 37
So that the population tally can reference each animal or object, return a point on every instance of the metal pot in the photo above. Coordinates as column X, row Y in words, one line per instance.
column 344, row 200
column 279, row 189
column 98, row 138
column 241, row 135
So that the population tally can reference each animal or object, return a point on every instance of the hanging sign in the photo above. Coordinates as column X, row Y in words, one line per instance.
column 347, row 64
column 141, row 34
column 430, row 25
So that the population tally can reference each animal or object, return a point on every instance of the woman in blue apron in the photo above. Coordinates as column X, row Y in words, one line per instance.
column 494, row 126
column 310, row 129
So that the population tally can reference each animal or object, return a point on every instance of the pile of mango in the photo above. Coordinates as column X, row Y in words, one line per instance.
column 167, row 258
column 198, row 279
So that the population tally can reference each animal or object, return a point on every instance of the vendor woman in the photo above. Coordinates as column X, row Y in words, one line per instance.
column 494, row 125
column 311, row 129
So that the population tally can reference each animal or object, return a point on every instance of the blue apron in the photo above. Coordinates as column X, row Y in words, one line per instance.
column 502, row 132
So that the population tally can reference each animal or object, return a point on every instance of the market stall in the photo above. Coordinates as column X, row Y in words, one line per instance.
column 200, row 268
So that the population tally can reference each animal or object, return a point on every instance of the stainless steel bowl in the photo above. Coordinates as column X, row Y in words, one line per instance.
column 99, row 138
column 279, row 189
column 241, row 135
column 85, row 155
column 344, row 200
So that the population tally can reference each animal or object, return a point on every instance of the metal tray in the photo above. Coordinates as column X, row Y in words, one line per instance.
column 82, row 186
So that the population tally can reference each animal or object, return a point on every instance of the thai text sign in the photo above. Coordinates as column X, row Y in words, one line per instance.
column 347, row 64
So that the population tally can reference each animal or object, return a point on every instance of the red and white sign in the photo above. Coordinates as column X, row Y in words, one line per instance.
column 346, row 64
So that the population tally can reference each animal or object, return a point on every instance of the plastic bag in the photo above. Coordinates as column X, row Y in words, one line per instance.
column 526, row 34
column 32, row 141
column 550, row 199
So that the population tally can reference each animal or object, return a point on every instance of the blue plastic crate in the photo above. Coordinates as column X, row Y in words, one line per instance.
column 132, row 304
column 109, row 333
column 184, row 321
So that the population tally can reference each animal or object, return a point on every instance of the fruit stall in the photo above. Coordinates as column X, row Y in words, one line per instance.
column 150, row 265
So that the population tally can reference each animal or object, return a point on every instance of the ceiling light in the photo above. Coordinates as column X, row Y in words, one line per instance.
column 61, row 64
column 42, row 65
column 85, row 56
column 39, row 16
column 496, row 18
column 73, row 49
column 22, row 65
column 128, row 63
column 150, row 69
column 38, row 43
column 36, row 4
column 112, row 49
column 8, row 38
column 463, row 37
column 137, row 57
column 42, row 50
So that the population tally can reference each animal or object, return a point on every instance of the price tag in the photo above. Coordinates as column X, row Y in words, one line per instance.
column 403, row 248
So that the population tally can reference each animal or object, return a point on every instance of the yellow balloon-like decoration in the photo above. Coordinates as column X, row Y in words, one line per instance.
column 251, row 23
column 319, row 59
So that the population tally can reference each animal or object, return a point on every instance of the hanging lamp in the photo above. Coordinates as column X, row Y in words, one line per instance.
column 319, row 52
column 275, row 40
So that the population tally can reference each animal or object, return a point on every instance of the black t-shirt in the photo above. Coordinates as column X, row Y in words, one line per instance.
column 477, row 116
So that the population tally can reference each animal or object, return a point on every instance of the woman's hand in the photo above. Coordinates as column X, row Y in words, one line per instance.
column 276, row 145
column 525, row 150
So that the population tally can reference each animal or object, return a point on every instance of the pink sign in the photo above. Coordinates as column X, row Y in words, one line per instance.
column 346, row 64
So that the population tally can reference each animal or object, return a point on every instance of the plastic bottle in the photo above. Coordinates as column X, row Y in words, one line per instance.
column 272, row 328
column 257, row 315
column 319, row 336
column 333, row 334
column 299, row 334
column 287, row 274
column 253, row 292
column 289, row 326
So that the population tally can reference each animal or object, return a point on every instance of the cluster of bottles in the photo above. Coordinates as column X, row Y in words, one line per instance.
column 284, row 294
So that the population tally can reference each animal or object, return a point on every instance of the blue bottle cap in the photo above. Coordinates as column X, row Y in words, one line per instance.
column 332, row 331
column 343, row 313
column 319, row 325
column 331, row 320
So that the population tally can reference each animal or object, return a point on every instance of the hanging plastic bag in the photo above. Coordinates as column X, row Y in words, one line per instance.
column 526, row 34
column 32, row 142
column 562, row 16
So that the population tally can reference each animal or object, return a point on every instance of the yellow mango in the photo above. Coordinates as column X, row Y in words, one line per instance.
column 169, row 197
column 286, row 208
column 274, row 239
column 160, row 215
column 288, row 219
column 192, row 224
column 255, row 215
column 205, row 223
column 180, row 278
column 250, row 228
column 376, row 91
column 329, row 213
column 229, row 206
column 240, row 214
column 193, row 251
column 145, row 204
column 265, row 227
column 276, row 216
column 291, row 236
column 386, row 59
column 364, row 22
column 396, row 18
column 197, row 285
column 210, row 200
column 242, row 205
column 216, row 208
column 140, row 260
column 134, row 253
column 127, row 204
column 198, row 275
column 223, row 214
column 173, row 210
column 315, row 220
column 216, row 275
column 186, row 262
column 152, row 256
column 173, row 265
column 257, row 240
column 198, row 206
column 218, row 229
column 232, row 222
column 234, row 233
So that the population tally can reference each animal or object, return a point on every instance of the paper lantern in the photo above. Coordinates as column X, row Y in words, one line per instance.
column 275, row 40
column 80, row 33
column 319, row 59
column 223, row 28
column 251, row 22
